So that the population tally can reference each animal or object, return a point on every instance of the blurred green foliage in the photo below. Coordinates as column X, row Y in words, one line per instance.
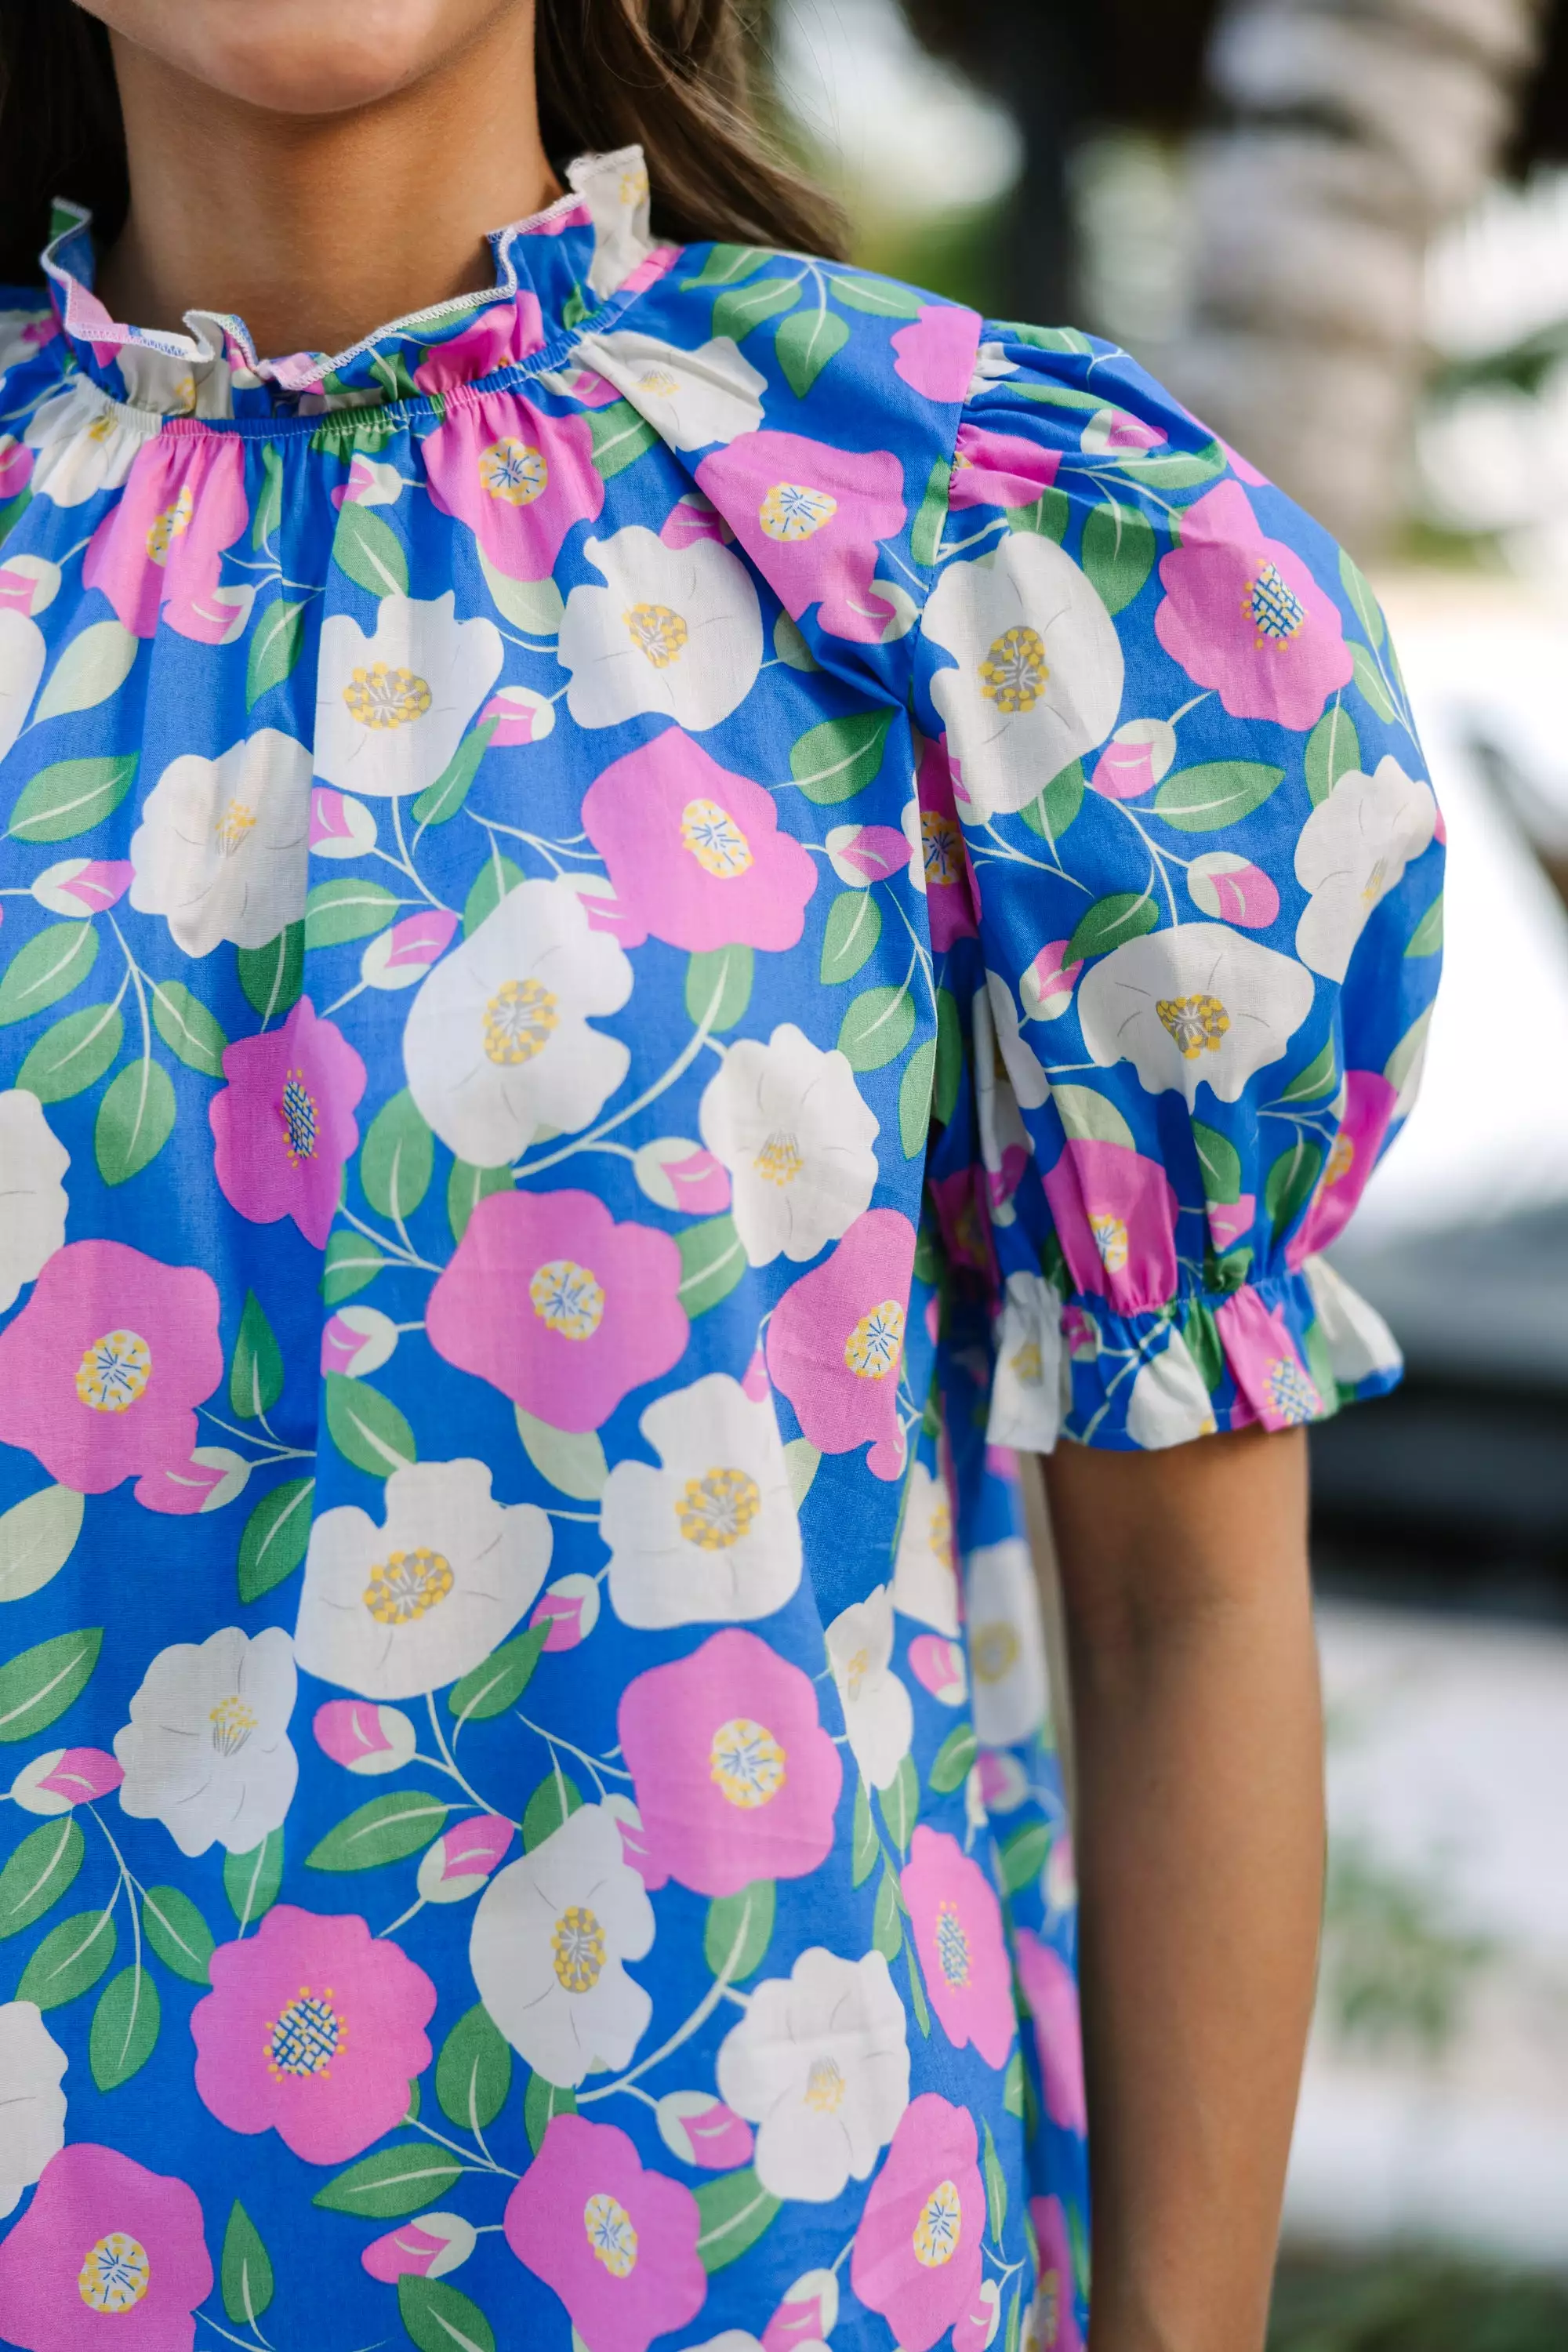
column 1397, row 1967
column 1415, row 2303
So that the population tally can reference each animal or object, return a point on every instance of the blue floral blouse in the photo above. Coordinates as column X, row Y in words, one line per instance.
column 646, row 922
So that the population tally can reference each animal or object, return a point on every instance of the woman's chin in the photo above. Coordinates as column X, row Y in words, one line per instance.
column 302, row 56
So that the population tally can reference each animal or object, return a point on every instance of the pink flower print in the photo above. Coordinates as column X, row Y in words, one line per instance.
column 104, row 2237
column 1370, row 1103
column 917, row 2249
column 284, row 1124
column 362, row 1737
column 515, row 714
column 1242, row 614
column 16, row 466
column 101, row 1372
column 863, row 853
column 1115, row 1215
column 694, row 851
column 1229, row 1220
column 1056, row 2315
column 1134, row 759
column 957, row 1925
column 400, row 957
column 558, row 1306
column 1049, row 981
column 1000, row 469
column 500, row 337
column 427, row 2248
column 82, row 886
column 1276, row 1387
column 313, row 2029
column 463, row 1857
column 340, row 826
column 1233, row 889
column 701, row 2130
column 693, row 517
column 734, row 1777
column 519, row 479
column 950, row 896
column 936, row 355
column 938, row 1663
column 1049, row 1988
column 617, row 2245
column 835, row 1342
column 808, row 2315
column 160, row 547
column 65, row 1778
column 1112, row 430
column 810, row 517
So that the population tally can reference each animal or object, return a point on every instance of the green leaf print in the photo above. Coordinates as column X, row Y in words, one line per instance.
column 275, row 1538
column 496, row 1684
column 1024, row 1855
column 95, row 665
column 620, row 436
column 74, row 1055
column 915, row 1099
column 494, row 877
column 1289, row 1183
column 366, row 546
column 739, row 1930
column 270, row 505
column 246, row 2271
column 1320, row 1078
column 255, row 1373
column 51, row 963
column 712, row 1261
column 877, row 1027
column 397, row 1160
column 802, row 1460
column 853, row 928
column 70, row 1960
column 1051, row 812
column 865, row 1845
column 366, row 1427
column 440, row 2319
column 177, row 1933
column 1217, row 794
column 887, row 1919
column 805, row 343
column 467, row 1186
column 1174, row 469
column 473, row 2072
column 719, row 985
column 39, row 1685
column 876, row 296
column 735, row 2211
column 350, row 1263
column 273, row 976
column 1333, row 750
column 1372, row 682
column 925, row 533
column 38, row 1536
column 251, row 1881
column 572, row 1460
column 1013, row 2086
column 392, row 2182
column 554, row 1801
column 1124, row 915
column 389, row 1829
column 1427, row 938
column 833, row 762
column 136, row 1120
column 71, row 798
column 40, row 1873
column 1048, row 516
column 1201, row 1333
column 187, row 1028
column 1220, row 1163
column 349, row 909
column 1118, row 552
column 124, row 2027
column 542, row 2103
column 1364, row 603
column 901, row 1803
column 949, row 1054
column 441, row 800
column 995, row 2188
column 737, row 311
column 726, row 265
column 951, row 1765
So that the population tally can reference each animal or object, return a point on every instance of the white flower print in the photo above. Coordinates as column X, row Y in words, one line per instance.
column 1170, row 1403
column 925, row 1580
column 878, row 1714
column 712, row 1533
column 1351, row 852
column 397, row 1610
column 207, row 1750
column 390, row 708
column 223, row 847
column 1038, row 681
column 1025, row 1069
column 676, row 631
column 549, row 1939
column 1006, row 1646
column 1031, row 1388
column 820, row 2063
column 85, row 443
column 1200, row 1004
column 498, row 1042
column 33, row 1162
column 791, row 1126
column 32, row 2103
column 691, row 399
column 1360, row 1342
column 21, row 667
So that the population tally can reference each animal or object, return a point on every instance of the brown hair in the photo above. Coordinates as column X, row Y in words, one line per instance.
column 672, row 75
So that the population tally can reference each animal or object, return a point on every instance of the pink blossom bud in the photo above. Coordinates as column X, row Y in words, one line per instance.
column 463, row 1857
column 701, row 2129
column 213, row 1476
column 64, row 1778
column 16, row 466
column 977, row 2326
column 587, row 385
column 1134, row 759
column 518, row 715
column 571, row 1608
column 1001, row 1462
column 364, row 1738
column 807, row 2316
column 28, row 584
column 939, row 1665
column 1110, row 429
column 340, row 826
column 1081, row 1333
column 1049, row 983
column 427, row 2248
column 693, row 518
column 371, row 483
column 401, row 957
column 1003, row 1783
column 755, row 1379
column 357, row 1340
column 83, row 885
column 863, row 853
column 1234, row 889
column 680, row 1174
column 1229, row 1220
column 600, row 904
column 1061, row 1874
column 634, row 1849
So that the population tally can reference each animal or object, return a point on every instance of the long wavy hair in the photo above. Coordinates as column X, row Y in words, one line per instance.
column 674, row 75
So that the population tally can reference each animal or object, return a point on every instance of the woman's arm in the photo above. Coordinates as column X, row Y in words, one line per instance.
column 1200, row 1836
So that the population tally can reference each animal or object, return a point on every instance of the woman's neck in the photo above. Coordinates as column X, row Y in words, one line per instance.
column 318, row 229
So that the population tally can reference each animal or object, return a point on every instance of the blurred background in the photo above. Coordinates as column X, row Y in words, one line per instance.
column 1339, row 230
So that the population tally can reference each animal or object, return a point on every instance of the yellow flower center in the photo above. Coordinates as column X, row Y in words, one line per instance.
column 746, row 1763
column 938, row 2230
column 634, row 186
column 232, row 1723
column 1377, row 883
column 793, row 511
column 307, row 2035
column 102, row 427
column 407, row 1584
column 824, row 2085
column 232, row 826
column 1273, row 608
column 1292, row 1394
column 567, row 1298
column 715, row 1511
column 780, row 1160
column 1027, row 1367
column 170, row 526
column 612, row 2238
column 1341, row 1159
column 381, row 696
column 1197, row 1024
column 942, row 849
column 514, row 471
column 714, row 839
column 116, row 2273
column 938, row 1530
column 659, row 634
column 1013, row 673
column 874, row 1347
column 298, row 1112
column 114, row 1372
column 1109, row 1239
column 577, row 1950
column 951, row 1945
column 855, row 1669
column 659, row 382
column 520, row 1021
column 994, row 1650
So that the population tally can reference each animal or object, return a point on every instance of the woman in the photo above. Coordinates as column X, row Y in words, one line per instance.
column 650, row 916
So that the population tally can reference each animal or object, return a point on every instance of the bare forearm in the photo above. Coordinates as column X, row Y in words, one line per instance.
column 1201, row 1837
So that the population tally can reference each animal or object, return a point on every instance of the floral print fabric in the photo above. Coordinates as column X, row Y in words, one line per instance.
column 645, row 922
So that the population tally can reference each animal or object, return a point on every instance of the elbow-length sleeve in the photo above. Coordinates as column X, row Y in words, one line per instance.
column 1183, row 871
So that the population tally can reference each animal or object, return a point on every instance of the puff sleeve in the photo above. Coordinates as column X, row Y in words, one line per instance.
column 1184, row 869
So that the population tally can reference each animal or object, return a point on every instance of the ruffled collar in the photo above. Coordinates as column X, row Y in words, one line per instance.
column 552, row 272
